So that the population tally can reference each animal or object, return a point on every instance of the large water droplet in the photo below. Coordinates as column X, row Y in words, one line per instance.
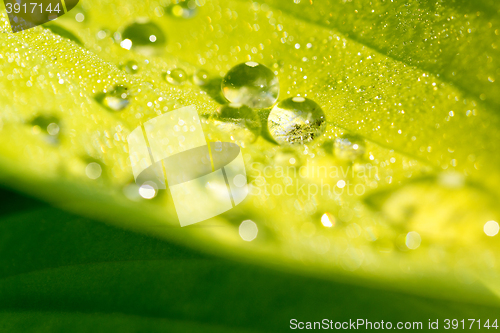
column 296, row 120
column 176, row 76
column 114, row 100
column 142, row 33
column 251, row 84
column 183, row 9
column 349, row 147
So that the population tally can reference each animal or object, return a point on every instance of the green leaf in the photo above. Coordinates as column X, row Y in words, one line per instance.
column 454, row 40
column 415, row 117
column 61, row 272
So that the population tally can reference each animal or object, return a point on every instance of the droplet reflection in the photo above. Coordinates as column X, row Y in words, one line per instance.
column 296, row 120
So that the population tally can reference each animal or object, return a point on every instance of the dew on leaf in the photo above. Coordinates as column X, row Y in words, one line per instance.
column 142, row 33
column 349, row 147
column 251, row 84
column 176, row 76
column 184, row 9
column 114, row 100
column 296, row 120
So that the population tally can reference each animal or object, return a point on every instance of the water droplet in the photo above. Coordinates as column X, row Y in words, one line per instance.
column 131, row 67
column 349, row 147
column 142, row 33
column 183, row 9
column 176, row 76
column 201, row 77
column 251, row 84
column 114, row 100
column 296, row 120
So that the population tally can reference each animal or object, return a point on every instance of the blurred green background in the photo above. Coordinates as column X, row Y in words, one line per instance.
column 64, row 273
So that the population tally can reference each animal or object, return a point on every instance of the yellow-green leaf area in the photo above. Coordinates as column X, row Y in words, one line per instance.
column 407, row 214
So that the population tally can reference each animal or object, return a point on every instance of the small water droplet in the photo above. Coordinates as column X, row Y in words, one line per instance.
column 201, row 77
column 142, row 33
column 114, row 100
column 296, row 120
column 176, row 76
column 183, row 9
column 131, row 67
column 251, row 84
column 349, row 147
